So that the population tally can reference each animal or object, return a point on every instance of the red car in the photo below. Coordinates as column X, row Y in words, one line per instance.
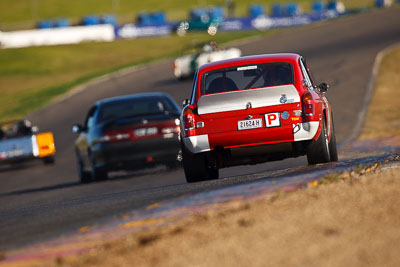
column 252, row 110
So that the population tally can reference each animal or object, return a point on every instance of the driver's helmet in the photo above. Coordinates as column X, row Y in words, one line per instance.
column 213, row 45
column 24, row 127
column 207, row 48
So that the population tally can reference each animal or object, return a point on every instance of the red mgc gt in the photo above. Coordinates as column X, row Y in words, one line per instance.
column 252, row 110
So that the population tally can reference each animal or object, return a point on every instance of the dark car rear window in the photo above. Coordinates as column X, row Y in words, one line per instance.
column 247, row 77
column 133, row 107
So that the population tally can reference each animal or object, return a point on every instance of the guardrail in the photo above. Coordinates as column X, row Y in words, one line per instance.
column 57, row 36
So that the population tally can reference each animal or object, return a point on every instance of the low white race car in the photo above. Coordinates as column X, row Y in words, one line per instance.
column 186, row 66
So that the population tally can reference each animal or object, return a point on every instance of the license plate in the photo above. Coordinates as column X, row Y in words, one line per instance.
column 145, row 131
column 250, row 124
column 15, row 153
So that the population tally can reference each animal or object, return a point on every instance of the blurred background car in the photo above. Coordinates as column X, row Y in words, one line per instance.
column 185, row 66
column 20, row 141
column 201, row 19
column 127, row 133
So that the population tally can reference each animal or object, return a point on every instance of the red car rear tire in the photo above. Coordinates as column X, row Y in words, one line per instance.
column 318, row 151
column 196, row 167
column 332, row 144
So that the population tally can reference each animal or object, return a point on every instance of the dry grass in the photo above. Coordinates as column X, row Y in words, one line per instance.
column 383, row 118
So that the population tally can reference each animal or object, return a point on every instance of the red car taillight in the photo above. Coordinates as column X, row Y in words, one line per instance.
column 188, row 119
column 308, row 104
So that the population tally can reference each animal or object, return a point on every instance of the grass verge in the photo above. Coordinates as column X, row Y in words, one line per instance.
column 383, row 117
column 350, row 222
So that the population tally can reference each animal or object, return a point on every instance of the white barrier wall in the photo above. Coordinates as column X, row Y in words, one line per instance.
column 57, row 36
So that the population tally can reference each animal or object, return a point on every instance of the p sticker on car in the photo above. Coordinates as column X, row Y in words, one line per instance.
column 272, row 120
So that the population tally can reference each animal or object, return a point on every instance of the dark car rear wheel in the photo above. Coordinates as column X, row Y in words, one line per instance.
column 84, row 176
column 318, row 151
column 196, row 167
column 49, row 160
column 98, row 173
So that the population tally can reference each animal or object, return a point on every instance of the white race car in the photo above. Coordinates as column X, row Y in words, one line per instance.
column 186, row 66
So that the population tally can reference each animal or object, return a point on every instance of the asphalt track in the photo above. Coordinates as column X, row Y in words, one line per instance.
column 39, row 202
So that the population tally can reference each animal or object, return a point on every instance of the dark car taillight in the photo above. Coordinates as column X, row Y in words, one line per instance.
column 163, row 129
column 171, row 128
column 308, row 104
column 115, row 136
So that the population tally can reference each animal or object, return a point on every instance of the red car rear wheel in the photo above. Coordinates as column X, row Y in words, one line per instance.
column 318, row 151
column 196, row 167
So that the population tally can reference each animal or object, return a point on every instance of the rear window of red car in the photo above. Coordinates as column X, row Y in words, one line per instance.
column 247, row 77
